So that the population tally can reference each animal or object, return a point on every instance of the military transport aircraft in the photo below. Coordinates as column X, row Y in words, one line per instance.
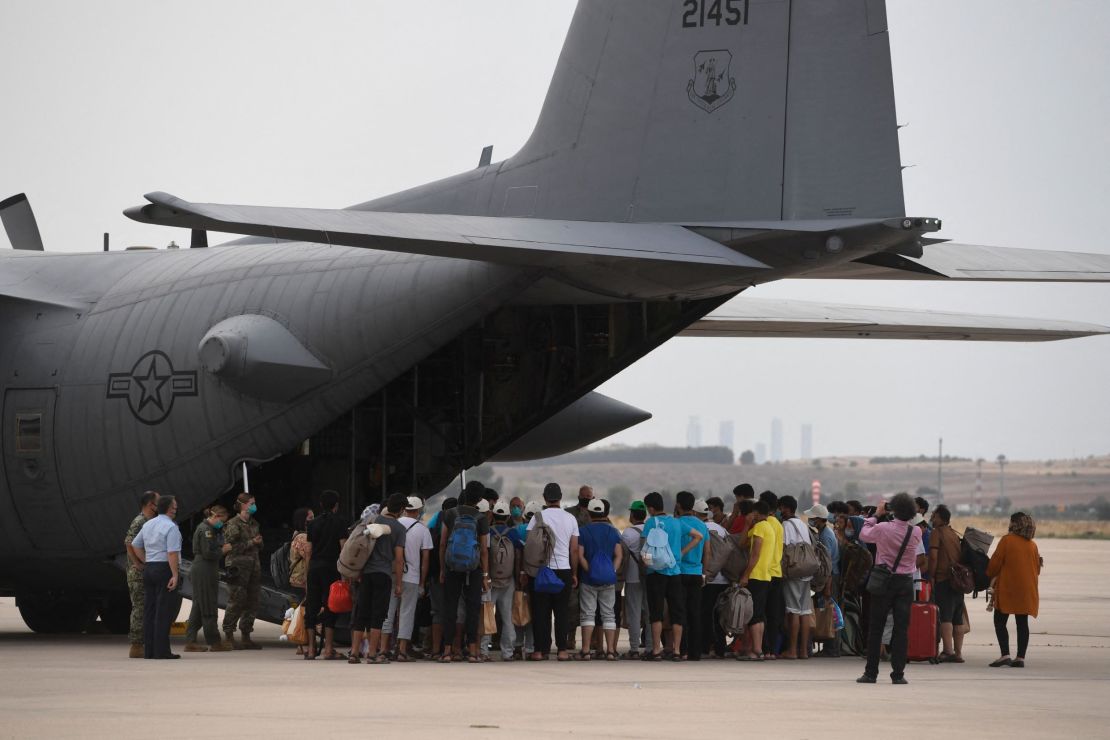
column 391, row 345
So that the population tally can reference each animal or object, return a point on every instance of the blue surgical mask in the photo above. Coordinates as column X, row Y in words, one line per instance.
column 516, row 511
column 219, row 524
column 252, row 509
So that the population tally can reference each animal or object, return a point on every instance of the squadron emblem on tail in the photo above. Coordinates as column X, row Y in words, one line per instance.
column 713, row 84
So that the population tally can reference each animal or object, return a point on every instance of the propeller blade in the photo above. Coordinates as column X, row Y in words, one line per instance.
column 19, row 222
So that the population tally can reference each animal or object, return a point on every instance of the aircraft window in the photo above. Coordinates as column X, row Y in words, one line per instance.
column 28, row 432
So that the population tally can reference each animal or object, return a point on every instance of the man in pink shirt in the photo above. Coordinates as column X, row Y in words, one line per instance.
column 895, row 541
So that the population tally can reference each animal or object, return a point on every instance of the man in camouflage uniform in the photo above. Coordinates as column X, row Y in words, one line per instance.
column 244, row 573
column 147, row 504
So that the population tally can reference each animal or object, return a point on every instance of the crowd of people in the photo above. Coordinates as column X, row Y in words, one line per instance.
column 535, row 581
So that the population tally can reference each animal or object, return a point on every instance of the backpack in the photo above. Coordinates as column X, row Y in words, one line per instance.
column 601, row 571
column 279, row 565
column 356, row 550
column 656, row 551
column 547, row 582
column 630, row 559
column 799, row 560
column 734, row 610
column 726, row 557
column 855, row 565
column 538, row 546
column 502, row 559
column 824, row 560
column 977, row 561
column 462, row 545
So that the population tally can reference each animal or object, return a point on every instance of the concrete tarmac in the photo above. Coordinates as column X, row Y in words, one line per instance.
column 85, row 686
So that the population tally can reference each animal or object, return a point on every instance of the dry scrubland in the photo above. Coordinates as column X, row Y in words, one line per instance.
column 1028, row 483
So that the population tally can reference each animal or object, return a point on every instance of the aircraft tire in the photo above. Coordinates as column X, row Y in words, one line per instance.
column 115, row 613
column 53, row 613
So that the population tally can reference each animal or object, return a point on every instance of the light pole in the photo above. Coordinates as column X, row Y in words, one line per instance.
column 1001, row 478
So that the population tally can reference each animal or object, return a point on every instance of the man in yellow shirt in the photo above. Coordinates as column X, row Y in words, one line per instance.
column 776, row 599
column 765, row 558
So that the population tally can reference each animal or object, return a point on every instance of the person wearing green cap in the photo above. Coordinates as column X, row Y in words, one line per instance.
column 635, row 599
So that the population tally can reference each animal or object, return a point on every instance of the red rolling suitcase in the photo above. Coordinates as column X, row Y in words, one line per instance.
column 922, row 642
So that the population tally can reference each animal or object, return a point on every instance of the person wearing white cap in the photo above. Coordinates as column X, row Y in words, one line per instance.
column 505, row 562
column 599, row 558
column 713, row 637
column 818, row 518
column 418, row 549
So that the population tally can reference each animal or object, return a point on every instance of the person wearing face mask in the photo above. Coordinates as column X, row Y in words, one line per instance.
column 244, row 573
column 208, row 548
column 135, row 588
column 158, row 547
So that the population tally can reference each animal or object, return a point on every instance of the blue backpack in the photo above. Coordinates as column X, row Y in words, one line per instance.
column 601, row 571
column 462, row 545
column 656, row 552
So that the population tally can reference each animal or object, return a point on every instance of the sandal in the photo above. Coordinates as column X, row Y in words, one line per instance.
column 379, row 659
column 309, row 657
column 749, row 658
column 585, row 656
column 445, row 659
column 653, row 657
column 403, row 658
column 631, row 655
column 678, row 658
column 535, row 658
column 611, row 656
column 354, row 659
column 563, row 658
column 473, row 659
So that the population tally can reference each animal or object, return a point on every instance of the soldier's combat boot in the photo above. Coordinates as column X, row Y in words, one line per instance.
column 248, row 644
column 193, row 647
column 219, row 647
column 136, row 650
column 230, row 642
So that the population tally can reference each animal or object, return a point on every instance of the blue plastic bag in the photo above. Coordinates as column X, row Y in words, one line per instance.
column 838, row 618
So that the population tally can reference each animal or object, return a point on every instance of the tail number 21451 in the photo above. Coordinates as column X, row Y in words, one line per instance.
column 701, row 13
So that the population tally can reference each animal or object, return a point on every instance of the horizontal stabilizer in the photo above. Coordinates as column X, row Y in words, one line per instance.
column 517, row 241
column 952, row 261
column 19, row 222
column 757, row 317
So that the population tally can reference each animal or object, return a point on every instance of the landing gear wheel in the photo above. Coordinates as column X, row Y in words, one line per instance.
column 55, row 613
column 115, row 613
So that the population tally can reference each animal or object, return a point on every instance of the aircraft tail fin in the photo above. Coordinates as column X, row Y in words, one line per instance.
column 714, row 110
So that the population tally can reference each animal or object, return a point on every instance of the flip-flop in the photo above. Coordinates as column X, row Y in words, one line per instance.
column 751, row 658
column 335, row 656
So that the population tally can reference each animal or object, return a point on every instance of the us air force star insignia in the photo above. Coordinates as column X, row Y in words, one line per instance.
column 151, row 387
column 713, row 84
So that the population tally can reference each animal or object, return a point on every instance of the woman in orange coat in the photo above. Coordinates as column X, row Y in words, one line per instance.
column 1016, row 564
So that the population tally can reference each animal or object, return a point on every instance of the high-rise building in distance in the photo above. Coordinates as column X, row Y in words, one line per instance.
column 760, row 453
column 725, row 434
column 776, row 440
column 693, row 432
column 807, row 441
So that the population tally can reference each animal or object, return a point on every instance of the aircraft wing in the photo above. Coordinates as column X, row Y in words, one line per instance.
column 757, row 317
column 523, row 241
column 952, row 261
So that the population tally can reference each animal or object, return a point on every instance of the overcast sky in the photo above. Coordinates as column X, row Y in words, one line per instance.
column 326, row 104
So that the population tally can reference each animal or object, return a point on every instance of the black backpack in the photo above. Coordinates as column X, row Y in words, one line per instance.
column 279, row 565
column 977, row 561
